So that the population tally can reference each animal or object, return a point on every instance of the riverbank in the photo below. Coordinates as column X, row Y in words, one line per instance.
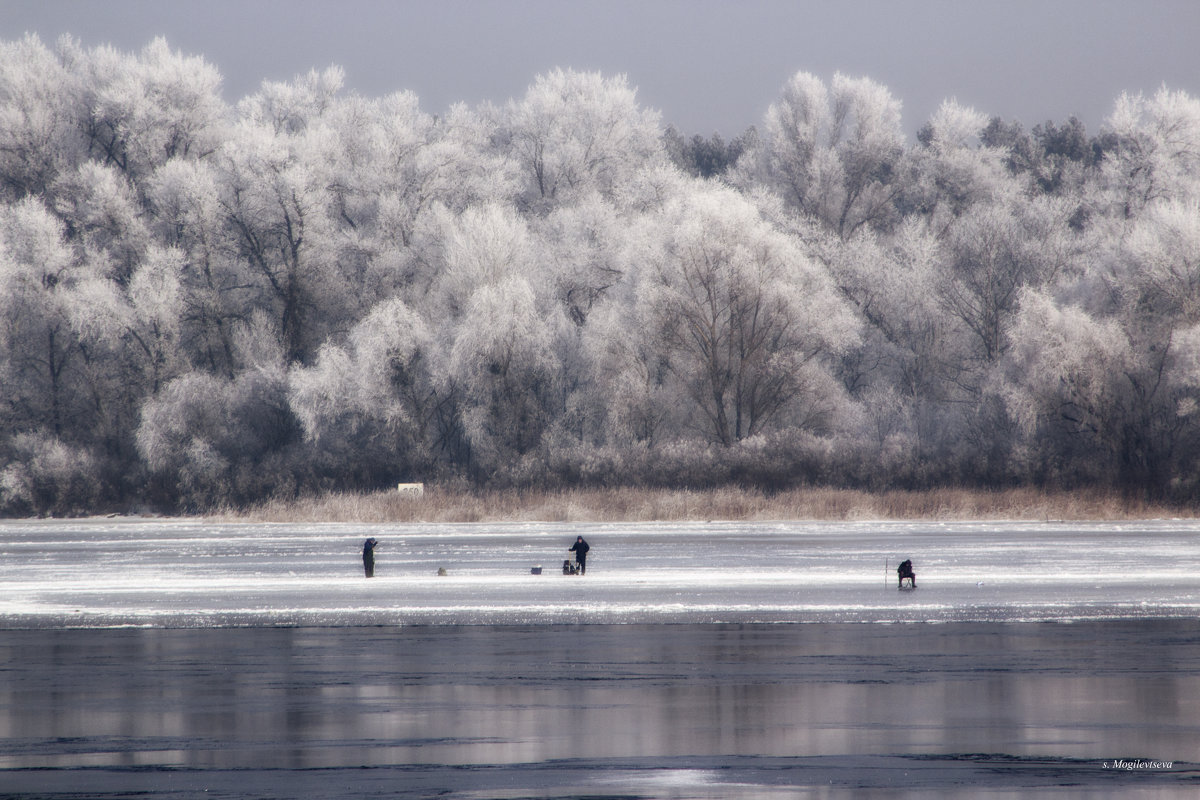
column 456, row 504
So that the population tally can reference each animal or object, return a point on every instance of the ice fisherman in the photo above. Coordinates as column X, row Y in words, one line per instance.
column 369, row 556
column 580, row 549
column 905, row 570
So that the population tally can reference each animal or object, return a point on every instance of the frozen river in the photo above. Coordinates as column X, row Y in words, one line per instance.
column 189, row 573
column 181, row 659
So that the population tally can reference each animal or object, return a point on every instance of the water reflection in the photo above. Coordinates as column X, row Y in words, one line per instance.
column 351, row 697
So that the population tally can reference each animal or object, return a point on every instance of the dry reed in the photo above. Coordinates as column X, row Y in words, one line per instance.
column 443, row 504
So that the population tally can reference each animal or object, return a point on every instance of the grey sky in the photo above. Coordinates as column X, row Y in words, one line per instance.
column 706, row 65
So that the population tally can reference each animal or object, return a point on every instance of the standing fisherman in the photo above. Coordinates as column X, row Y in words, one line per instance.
column 580, row 549
column 369, row 556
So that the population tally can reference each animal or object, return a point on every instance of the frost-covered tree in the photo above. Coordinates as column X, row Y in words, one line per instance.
column 369, row 410
column 1117, row 376
column 989, row 254
column 911, row 366
column 392, row 164
column 144, row 109
column 577, row 132
column 156, row 313
column 275, row 202
column 290, row 107
column 831, row 152
column 103, row 216
column 207, row 440
column 504, row 367
column 1066, row 377
column 310, row 289
column 186, row 214
column 39, row 345
column 948, row 172
column 41, row 473
column 40, row 136
column 631, row 376
column 912, row 345
column 484, row 246
column 583, row 244
column 1159, row 275
column 743, row 319
column 1155, row 153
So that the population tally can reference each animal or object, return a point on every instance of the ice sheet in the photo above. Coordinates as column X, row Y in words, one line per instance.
column 193, row 573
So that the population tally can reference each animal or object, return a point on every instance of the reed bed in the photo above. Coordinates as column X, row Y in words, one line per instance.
column 456, row 504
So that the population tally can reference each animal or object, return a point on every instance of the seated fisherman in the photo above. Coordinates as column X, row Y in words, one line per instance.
column 905, row 570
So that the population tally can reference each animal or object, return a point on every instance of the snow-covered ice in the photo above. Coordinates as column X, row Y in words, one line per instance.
column 193, row 573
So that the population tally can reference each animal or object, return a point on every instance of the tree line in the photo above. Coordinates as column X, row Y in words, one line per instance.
column 207, row 304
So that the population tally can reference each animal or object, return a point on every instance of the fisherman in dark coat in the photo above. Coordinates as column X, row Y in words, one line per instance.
column 580, row 549
column 369, row 556
column 905, row 570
